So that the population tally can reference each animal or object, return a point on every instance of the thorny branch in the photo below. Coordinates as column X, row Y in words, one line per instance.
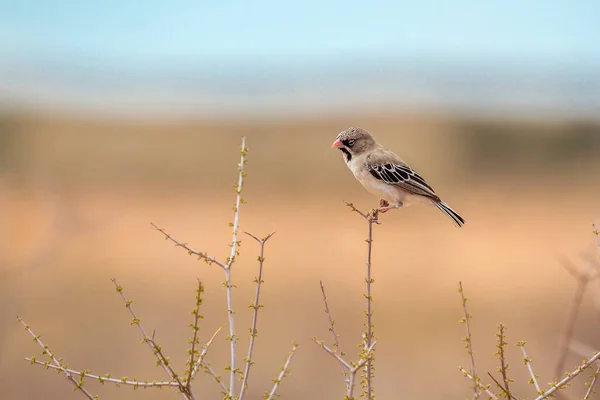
column 368, row 343
column 201, row 256
column 569, row 377
column 504, row 390
column 371, row 218
column 592, row 383
column 352, row 367
column 234, row 251
column 196, row 359
column 503, row 365
column 255, row 306
column 195, row 329
column 155, row 347
column 478, row 383
column 336, row 337
column 200, row 360
column 469, row 341
column 57, row 362
column 106, row 378
column 527, row 362
column 210, row 371
column 284, row 371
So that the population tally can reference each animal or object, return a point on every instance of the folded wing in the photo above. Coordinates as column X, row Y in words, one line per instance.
column 403, row 176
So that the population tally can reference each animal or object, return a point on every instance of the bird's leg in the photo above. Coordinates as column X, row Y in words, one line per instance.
column 383, row 203
column 387, row 206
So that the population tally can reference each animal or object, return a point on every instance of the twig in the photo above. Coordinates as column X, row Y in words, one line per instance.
column 366, row 358
column 592, row 384
column 200, row 360
column 352, row 368
column 336, row 337
column 356, row 210
column 503, row 366
column 372, row 217
column 208, row 369
column 369, row 299
column 481, row 387
column 107, row 378
column 282, row 374
column 238, row 202
column 195, row 329
column 255, row 306
column 569, row 377
column 230, row 260
column 156, row 349
column 334, row 354
column 201, row 256
column 582, row 282
column 469, row 343
column 527, row 362
column 57, row 362
column 506, row 392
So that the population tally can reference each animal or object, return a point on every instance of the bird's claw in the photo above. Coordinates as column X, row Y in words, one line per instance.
column 373, row 216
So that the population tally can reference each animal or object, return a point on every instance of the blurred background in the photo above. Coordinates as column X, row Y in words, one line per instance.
column 116, row 114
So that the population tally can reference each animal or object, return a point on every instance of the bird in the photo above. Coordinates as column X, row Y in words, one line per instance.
column 384, row 174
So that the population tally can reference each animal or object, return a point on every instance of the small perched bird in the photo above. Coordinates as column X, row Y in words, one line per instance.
column 384, row 174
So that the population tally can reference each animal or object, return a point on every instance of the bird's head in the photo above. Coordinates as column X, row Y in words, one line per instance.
column 354, row 141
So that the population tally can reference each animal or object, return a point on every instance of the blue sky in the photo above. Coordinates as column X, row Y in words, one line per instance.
column 146, row 33
column 233, row 55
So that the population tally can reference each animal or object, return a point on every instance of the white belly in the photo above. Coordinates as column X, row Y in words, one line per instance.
column 392, row 193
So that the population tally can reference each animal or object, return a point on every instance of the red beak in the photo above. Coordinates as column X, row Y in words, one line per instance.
column 337, row 144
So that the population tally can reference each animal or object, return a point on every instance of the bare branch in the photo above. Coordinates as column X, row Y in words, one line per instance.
column 195, row 329
column 57, row 362
column 336, row 337
column 352, row 379
column 334, row 354
column 504, row 390
column 234, row 251
column 356, row 210
column 372, row 216
column 590, row 390
column 154, row 347
column 479, row 385
column 468, row 339
column 255, row 306
column 527, row 362
column 366, row 357
column 200, row 360
column 503, row 366
column 106, row 378
column 282, row 374
column 369, row 313
column 208, row 369
column 238, row 202
column 569, row 377
column 201, row 256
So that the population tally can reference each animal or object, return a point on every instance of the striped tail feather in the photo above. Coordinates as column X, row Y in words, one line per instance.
column 446, row 209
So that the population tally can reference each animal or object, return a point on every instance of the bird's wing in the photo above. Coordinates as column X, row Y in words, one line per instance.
column 389, row 168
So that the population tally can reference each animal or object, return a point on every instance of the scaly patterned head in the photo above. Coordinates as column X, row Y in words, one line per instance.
column 354, row 141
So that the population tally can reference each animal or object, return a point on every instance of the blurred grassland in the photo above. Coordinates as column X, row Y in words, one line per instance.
column 77, row 195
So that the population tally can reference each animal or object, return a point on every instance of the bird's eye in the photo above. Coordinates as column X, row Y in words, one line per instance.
column 351, row 142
